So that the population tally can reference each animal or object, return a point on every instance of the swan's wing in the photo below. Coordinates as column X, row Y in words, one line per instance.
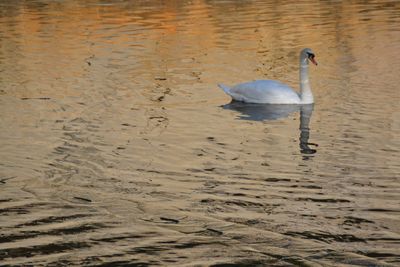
column 265, row 91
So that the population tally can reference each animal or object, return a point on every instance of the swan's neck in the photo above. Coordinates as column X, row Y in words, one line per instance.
column 305, row 89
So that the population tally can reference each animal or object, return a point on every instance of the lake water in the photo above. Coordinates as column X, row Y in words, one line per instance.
column 118, row 148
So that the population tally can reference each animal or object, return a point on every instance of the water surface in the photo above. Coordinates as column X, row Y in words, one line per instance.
column 118, row 148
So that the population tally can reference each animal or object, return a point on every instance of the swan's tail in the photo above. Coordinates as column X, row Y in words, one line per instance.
column 225, row 88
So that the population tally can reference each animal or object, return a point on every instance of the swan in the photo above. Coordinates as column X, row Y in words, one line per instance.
column 275, row 92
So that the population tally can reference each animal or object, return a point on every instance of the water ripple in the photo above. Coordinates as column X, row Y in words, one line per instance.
column 118, row 149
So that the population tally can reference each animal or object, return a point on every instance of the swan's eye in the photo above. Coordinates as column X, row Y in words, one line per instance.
column 310, row 55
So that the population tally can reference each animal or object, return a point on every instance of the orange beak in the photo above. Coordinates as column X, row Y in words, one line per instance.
column 313, row 61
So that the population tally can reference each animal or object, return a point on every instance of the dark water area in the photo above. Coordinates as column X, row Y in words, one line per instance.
column 118, row 148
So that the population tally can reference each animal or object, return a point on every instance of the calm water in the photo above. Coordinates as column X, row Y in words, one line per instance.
column 118, row 148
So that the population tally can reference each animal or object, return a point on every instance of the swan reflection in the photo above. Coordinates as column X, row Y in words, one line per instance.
column 264, row 112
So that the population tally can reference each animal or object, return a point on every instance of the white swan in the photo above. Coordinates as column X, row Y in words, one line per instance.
column 274, row 92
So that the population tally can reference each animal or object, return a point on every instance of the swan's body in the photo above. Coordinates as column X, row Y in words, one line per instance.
column 263, row 91
column 275, row 92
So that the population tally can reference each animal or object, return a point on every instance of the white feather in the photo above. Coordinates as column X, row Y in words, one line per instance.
column 275, row 92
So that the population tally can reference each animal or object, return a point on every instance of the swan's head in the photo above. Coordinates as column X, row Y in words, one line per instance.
column 308, row 54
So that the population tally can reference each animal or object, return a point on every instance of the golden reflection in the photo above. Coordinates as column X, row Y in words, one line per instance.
column 112, row 133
